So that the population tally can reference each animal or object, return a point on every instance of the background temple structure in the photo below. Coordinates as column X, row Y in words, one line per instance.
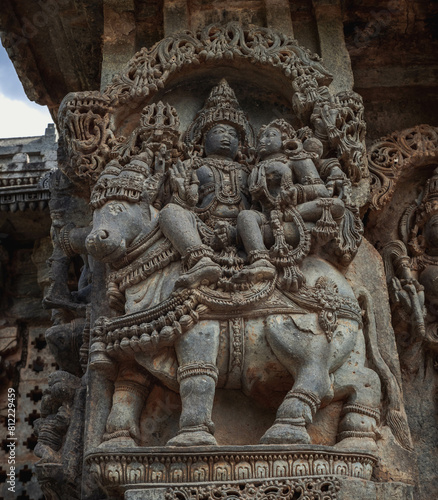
column 116, row 342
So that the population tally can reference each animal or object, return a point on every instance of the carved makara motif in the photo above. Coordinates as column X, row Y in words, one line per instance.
column 87, row 137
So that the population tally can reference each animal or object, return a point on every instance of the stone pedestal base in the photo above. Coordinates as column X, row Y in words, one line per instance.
column 247, row 472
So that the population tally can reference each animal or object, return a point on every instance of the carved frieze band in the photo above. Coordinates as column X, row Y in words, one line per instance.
column 120, row 470
column 390, row 156
column 22, row 200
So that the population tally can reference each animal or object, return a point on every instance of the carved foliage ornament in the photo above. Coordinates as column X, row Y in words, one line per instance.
column 150, row 68
column 88, row 119
column 325, row 488
column 391, row 155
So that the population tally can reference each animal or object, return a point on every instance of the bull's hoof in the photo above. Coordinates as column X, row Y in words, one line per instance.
column 188, row 438
column 286, row 434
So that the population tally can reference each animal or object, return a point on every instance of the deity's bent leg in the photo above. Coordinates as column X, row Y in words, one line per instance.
column 180, row 227
column 311, row 211
column 249, row 228
column 197, row 351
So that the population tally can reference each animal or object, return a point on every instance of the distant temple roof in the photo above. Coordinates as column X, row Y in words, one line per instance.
column 25, row 166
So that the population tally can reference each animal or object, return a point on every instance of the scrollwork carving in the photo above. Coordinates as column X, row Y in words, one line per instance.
column 321, row 489
column 87, row 138
column 149, row 69
column 89, row 134
column 390, row 156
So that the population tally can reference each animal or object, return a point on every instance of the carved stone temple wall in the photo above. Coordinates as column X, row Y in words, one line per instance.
column 26, row 164
column 223, row 285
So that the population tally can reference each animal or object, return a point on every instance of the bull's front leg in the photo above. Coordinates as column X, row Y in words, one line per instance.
column 131, row 389
column 197, row 352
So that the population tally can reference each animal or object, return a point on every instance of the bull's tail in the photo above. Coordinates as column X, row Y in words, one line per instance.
column 395, row 414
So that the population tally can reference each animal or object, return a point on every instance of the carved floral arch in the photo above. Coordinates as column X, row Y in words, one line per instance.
column 89, row 121
column 392, row 155
column 150, row 69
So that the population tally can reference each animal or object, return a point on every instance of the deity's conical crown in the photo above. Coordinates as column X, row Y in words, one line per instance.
column 221, row 106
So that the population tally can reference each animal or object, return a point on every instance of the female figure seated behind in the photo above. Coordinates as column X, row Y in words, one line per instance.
column 285, row 181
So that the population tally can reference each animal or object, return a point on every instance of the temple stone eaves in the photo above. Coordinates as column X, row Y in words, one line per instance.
column 68, row 46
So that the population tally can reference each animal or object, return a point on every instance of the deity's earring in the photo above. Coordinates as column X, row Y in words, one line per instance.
column 292, row 146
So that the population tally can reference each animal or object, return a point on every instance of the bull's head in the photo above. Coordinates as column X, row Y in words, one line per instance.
column 121, row 210
column 116, row 226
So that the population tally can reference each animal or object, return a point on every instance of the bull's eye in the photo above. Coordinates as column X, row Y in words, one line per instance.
column 116, row 208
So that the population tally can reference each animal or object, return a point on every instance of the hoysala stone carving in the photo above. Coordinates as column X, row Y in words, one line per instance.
column 412, row 268
column 390, row 156
column 230, row 332
column 403, row 202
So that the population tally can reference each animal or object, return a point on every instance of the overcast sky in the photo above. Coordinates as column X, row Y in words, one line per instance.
column 19, row 117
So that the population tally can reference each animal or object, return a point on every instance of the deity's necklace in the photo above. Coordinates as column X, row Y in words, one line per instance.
column 226, row 181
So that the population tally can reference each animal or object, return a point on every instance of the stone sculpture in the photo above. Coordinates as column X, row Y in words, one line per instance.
column 60, row 427
column 321, row 301
column 412, row 269
column 228, row 264
column 212, row 187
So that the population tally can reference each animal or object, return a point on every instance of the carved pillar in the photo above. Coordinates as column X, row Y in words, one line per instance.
column 118, row 37
column 175, row 16
column 278, row 16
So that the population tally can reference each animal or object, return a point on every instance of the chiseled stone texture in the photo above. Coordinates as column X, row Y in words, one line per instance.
column 357, row 489
column 285, row 217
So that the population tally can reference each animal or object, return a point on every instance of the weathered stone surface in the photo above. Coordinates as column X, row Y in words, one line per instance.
column 223, row 295
column 226, row 257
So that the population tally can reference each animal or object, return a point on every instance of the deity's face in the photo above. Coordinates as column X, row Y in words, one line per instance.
column 222, row 140
column 270, row 142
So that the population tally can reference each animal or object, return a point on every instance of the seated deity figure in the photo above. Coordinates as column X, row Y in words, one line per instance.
column 285, row 176
column 209, row 191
